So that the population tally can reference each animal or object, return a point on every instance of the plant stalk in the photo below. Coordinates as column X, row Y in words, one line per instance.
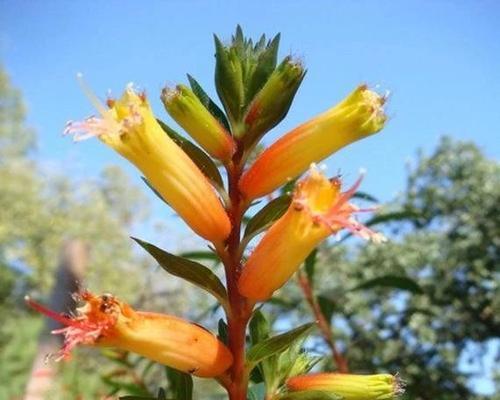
column 323, row 325
column 240, row 309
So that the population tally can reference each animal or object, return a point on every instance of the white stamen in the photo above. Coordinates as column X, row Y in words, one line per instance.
column 90, row 95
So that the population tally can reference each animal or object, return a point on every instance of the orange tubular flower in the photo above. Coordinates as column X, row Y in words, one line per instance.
column 349, row 387
column 106, row 321
column 318, row 209
column 359, row 115
column 130, row 128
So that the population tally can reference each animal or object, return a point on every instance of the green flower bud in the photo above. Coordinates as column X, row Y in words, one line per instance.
column 190, row 113
column 272, row 102
column 350, row 387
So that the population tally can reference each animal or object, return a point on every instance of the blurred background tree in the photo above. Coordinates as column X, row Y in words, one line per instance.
column 41, row 208
column 429, row 295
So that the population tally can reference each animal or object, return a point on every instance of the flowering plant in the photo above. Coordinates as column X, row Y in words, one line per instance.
column 256, row 93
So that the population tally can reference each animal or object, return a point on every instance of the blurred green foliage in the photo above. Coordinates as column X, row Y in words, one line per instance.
column 430, row 299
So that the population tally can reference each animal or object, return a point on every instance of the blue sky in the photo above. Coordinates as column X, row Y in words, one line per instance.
column 440, row 60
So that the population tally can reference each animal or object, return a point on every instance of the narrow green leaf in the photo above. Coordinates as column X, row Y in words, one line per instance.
column 365, row 196
column 327, row 307
column 259, row 327
column 257, row 392
column 267, row 215
column 392, row 216
column 229, row 80
column 288, row 187
column 310, row 264
column 153, row 190
column 199, row 157
column 208, row 103
column 266, row 64
column 310, row 395
column 276, row 344
column 391, row 281
column 181, row 384
column 191, row 271
column 222, row 330
column 200, row 255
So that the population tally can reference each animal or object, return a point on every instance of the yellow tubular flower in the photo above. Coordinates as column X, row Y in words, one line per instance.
column 318, row 209
column 105, row 321
column 349, row 387
column 359, row 115
column 189, row 112
column 130, row 128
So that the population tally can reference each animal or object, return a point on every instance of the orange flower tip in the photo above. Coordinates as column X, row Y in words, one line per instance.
column 106, row 321
column 327, row 206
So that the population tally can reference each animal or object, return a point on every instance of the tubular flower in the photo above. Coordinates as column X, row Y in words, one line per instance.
column 130, row 128
column 318, row 209
column 190, row 113
column 349, row 387
column 108, row 322
column 359, row 115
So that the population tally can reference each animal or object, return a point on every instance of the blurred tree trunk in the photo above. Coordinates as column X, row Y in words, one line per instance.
column 72, row 265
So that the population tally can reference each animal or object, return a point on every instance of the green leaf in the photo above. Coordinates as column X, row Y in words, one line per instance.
column 392, row 216
column 222, row 331
column 310, row 264
column 257, row 392
column 197, row 155
column 191, row 271
column 391, row 281
column 311, row 395
column 272, row 102
column 267, row 215
column 276, row 344
column 327, row 307
column 181, row 384
column 154, row 190
column 229, row 80
column 266, row 64
column 200, row 255
column 259, row 327
column 208, row 103
column 365, row 196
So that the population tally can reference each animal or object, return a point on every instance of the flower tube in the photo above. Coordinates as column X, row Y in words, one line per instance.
column 105, row 321
column 348, row 386
column 130, row 128
column 190, row 113
column 359, row 115
column 318, row 209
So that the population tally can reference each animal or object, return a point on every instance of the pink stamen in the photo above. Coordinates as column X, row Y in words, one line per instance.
column 52, row 314
column 345, row 196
